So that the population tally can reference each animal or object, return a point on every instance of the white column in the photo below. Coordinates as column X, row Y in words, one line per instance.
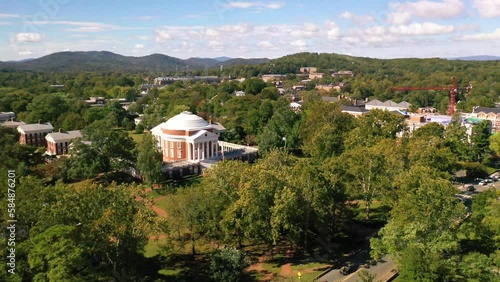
column 199, row 156
column 210, row 149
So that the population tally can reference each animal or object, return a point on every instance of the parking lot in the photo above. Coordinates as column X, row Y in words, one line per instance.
column 480, row 185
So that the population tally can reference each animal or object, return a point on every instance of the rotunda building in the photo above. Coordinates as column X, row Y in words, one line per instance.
column 187, row 136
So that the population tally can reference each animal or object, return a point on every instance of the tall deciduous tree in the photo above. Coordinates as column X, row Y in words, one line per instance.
column 149, row 159
column 425, row 216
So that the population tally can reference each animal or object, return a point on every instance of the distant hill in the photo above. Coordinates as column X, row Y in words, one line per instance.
column 107, row 61
column 222, row 59
column 477, row 58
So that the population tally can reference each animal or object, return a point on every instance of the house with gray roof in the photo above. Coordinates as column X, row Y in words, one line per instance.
column 58, row 143
column 34, row 134
column 388, row 105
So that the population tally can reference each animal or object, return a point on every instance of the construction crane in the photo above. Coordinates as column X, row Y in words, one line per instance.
column 453, row 92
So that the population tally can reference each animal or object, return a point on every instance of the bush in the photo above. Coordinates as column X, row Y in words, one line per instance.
column 475, row 170
column 139, row 129
column 227, row 265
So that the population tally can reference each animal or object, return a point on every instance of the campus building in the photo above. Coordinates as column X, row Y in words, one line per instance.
column 187, row 137
column 34, row 134
column 58, row 143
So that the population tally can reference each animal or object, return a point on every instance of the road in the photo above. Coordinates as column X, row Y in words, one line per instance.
column 382, row 268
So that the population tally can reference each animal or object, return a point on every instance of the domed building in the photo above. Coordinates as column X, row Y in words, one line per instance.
column 187, row 136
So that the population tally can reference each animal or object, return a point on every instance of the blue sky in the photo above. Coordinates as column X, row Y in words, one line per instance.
column 190, row 28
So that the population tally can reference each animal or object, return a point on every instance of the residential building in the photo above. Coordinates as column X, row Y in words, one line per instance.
column 388, row 105
column 12, row 124
column 328, row 87
column 96, row 101
column 239, row 93
column 295, row 106
column 308, row 69
column 34, row 134
column 491, row 114
column 272, row 77
column 186, row 136
column 342, row 73
column 6, row 116
column 316, row 75
column 58, row 143
column 354, row 110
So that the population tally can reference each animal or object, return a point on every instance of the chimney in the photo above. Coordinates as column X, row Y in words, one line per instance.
column 39, row 121
column 59, row 130
column 355, row 102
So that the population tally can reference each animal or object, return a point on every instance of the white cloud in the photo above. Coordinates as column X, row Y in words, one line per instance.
column 143, row 37
column 81, row 26
column 29, row 37
column 9, row 16
column 146, row 18
column 487, row 8
column 495, row 35
column 421, row 29
column 25, row 53
column 5, row 23
column 357, row 19
column 246, row 5
column 266, row 45
column 426, row 9
column 399, row 18
column 138, row 46
column 216, row 45
column 308, row 30
column 163, row 36
column 300, row 44
column 333, row 30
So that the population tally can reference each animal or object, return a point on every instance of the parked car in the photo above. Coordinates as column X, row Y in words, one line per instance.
column 346, row 269
column 471, row 188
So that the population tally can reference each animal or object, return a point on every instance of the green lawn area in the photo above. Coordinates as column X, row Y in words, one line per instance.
column 153, row 247
column 136, row 137
column 378, row 212
column 162, row 204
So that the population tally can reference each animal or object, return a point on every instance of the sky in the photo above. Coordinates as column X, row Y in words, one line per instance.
column 250, row 29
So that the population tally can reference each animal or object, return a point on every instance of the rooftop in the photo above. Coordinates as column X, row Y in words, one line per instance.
column 186, row 121
column 64, row 136
column 486, row 110
column 35, row 127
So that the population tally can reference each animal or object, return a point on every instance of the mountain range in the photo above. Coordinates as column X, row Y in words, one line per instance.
column 108, row 61
column 477, row 58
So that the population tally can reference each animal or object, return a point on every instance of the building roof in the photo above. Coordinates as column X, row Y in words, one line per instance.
column 486, row 110
column 35, row 127
column 63, row 136
column 218, row 127
column 12, row 124
column 389, row 103
column 185, row 121
column 330, row 99
column 354, row 109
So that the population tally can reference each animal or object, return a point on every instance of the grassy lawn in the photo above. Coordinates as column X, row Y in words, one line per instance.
column 136, row 137
column 153, row 247
column 378, row 212
column 162, row 204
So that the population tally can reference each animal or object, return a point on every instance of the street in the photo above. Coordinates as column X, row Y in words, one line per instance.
column 360, row 261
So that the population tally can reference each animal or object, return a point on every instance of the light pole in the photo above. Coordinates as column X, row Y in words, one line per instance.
column 284, row 139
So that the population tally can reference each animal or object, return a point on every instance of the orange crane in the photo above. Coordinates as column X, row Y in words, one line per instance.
column 453, row 92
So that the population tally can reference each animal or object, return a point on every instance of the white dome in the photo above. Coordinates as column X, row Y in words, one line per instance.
column 185, row 121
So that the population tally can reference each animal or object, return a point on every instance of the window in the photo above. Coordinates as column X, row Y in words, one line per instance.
column 171, row 153
column 171, row 144
column 179, row 154
column 179, row 145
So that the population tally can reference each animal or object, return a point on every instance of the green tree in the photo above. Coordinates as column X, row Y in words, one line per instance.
column 480, row 140
column 228, row 265
column 426, row 216
column 149, row 159
column 432, row 129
